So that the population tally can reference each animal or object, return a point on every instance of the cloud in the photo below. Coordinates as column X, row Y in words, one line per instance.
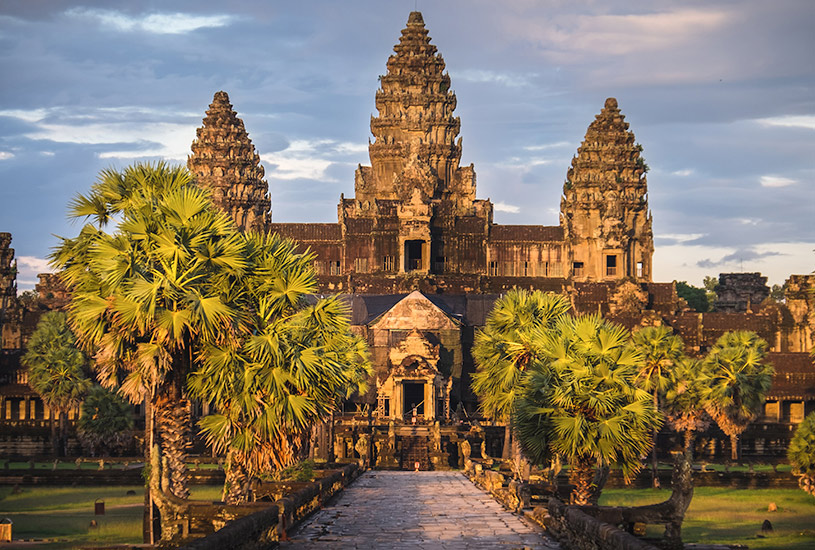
column 790, row 121
column 28, row 267
column 146, row 131
column 157, row 23
column 740, row 256
column 776, row 181
column 547, row 146
column 679, row 237
column 573, row 37
column 491, row 77
column 774, row 260
column 682, row 173
column 5, row 155
column 503, row 207
column 310, row 159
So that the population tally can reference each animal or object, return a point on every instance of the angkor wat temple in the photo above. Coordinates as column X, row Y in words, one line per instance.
column 421, row 260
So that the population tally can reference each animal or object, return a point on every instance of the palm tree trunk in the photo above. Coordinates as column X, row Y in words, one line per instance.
column 654, row 461
column 734, row 447
column 581, row 474
column 237, row 485
column 63, row 433
column 689, row 446
column 506, row 452
column 54, row 432
column 173, row 427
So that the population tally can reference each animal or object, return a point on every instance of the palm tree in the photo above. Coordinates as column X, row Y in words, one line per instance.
column 801, row 454
column 739, row 380
column 282, row 371
column 507, row 345
column 660, row 349
column 582, row 402
column 56, row 371
column 106, row 423
column 148, row 294
column 685, row 400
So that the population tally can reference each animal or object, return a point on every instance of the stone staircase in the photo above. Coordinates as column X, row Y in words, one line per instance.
column 414, row 449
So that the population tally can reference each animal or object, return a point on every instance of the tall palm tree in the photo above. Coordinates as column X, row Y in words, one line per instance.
column 739, row 381
column 56, row 371
column 149, row 293
column 685, row 400
column 582, row 402
column 506, row 347
column 801, row 454
column 660, row 349
column 285, row 371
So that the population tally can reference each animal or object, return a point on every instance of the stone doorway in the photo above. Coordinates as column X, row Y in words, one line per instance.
column 413, row 396
column 413, row 255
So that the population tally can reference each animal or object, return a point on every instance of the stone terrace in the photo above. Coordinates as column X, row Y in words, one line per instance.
column 411, row 510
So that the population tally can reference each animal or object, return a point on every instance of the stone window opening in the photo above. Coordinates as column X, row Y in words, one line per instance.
column 413, row 255
column 361, row 265
column 494, row 269
column 388, row 264
column 577, row 269
column 526, row 269
column 611, row 265
column 639, row 269
column 334, row 267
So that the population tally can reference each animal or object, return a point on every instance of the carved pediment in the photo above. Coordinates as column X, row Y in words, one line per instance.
column 415, row 311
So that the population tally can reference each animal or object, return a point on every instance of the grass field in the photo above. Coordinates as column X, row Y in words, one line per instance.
column 734, row 516
column 63, row 515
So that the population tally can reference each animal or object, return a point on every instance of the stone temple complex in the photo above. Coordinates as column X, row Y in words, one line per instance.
column 421, row 262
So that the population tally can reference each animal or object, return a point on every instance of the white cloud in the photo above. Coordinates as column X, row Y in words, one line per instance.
column 504, row 207
column 5, row 155
column 28, row 268
column 491, row 77
column 679, row 237
column 547, row 146
column 309, row 159
column 619, row 35
column 683, row 173
column 776, row 181
column 790, row 121
column 157, row 23
column 47, row 153
column 31, row 115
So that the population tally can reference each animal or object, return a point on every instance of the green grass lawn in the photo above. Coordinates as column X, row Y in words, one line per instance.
column 723, row 515
column 64, row 514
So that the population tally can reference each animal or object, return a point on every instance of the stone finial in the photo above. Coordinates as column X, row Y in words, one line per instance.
column 611, row 103
column 415, row 18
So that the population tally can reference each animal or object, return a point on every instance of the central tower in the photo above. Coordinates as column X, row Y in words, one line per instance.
column 415, row 150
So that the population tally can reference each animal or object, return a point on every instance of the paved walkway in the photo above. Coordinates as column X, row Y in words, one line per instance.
column 413, row 510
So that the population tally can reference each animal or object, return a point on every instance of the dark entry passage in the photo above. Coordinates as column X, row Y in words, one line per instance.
column 413, row 255
column 414, row 397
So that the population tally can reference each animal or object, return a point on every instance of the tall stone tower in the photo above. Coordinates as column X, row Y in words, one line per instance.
column 415, row 147
column 224, row 160
column 604, row 209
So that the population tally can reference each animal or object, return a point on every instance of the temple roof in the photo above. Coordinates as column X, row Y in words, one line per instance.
column 224, row 160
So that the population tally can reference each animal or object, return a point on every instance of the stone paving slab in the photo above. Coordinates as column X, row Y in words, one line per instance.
column 416, row 510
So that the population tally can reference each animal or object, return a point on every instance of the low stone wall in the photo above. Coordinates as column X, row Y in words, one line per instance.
column 262, row 529
column 576, row 530
column 109, row 476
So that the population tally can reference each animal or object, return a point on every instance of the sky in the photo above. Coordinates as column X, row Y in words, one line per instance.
column 720, row 93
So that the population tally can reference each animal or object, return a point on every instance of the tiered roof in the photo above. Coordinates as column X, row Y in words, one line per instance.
column 415, row 131
column 224, row 160
column 608, row 173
